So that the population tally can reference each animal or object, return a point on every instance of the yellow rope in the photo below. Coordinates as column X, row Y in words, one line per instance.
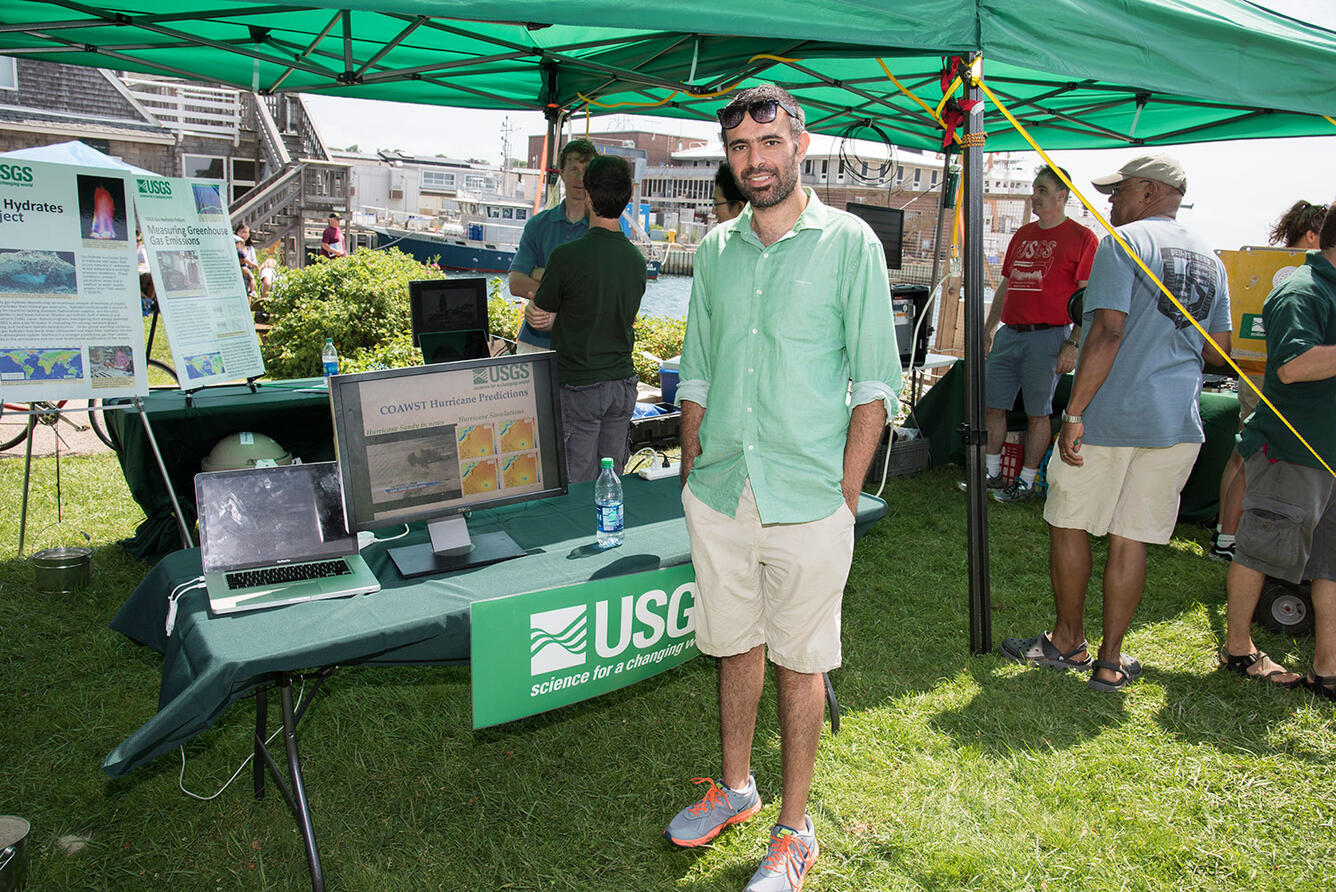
column 946, row 97
column 1330, row 118
column 1137, row 260
column 936, row 115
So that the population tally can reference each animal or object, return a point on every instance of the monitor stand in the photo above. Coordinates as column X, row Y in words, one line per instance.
column 452, row 548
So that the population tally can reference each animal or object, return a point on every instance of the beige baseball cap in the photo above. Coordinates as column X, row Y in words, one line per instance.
column 1161, row 168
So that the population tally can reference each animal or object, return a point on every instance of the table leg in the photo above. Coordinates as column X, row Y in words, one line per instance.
column 261, row 732
column 294, row 794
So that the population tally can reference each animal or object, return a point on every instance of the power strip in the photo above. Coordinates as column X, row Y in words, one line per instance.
column 657, row 471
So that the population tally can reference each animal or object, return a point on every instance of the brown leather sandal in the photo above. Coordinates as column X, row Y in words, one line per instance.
column 1241, row 665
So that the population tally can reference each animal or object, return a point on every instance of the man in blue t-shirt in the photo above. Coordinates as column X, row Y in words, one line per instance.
column 1132, row 427
column 564, row 222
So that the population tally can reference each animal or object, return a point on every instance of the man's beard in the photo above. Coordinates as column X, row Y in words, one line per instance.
column 786, row 179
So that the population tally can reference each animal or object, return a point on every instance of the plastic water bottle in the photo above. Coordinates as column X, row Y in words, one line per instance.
column 608, row 504
column 330, row 357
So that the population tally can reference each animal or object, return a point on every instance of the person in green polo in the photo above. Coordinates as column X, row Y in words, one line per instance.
column 1288, row 528
column 593, row 285
column 789, row 372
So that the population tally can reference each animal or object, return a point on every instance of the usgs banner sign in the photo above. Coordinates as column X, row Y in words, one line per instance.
column 545, row 649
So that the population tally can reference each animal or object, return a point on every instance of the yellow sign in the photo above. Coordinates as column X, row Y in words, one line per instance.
column 1253, row 274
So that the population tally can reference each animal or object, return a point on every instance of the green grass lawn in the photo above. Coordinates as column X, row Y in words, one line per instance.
column 949, row 771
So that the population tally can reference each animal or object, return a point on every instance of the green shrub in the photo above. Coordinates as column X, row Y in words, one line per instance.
column 396, row 352
column 661, row 337
column 503, row 314
column 361, row 301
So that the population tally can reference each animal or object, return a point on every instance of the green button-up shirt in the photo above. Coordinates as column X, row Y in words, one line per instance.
column 775, row 338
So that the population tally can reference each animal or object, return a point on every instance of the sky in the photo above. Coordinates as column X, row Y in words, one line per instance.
column 1237, row 189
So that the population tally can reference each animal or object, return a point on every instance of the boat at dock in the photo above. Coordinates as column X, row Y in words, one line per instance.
column 483, row 238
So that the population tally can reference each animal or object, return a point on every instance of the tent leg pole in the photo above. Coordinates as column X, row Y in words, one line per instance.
column 976, row 433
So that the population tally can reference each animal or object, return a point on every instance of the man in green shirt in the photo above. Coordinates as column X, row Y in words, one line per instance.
column 1288, row 529
column 593, row 285
column 789, row 372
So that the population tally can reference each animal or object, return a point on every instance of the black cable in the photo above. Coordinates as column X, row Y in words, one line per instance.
column 879, row 173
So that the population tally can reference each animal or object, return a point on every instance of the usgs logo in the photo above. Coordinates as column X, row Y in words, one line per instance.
column 15, row 173
column 501, row 374
column 154, row 187
column 559, row 639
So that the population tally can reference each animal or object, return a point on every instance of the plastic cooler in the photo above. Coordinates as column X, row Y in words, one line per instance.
column 668, row 378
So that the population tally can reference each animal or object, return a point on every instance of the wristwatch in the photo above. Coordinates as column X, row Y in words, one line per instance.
column 1071, row 343
column 1071, row 419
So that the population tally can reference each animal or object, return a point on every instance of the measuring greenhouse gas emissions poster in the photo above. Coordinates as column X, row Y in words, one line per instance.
column 193, row 258
column 70, row 322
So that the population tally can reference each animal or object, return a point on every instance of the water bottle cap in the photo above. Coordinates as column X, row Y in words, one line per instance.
column 607, row 462
column 329, row 340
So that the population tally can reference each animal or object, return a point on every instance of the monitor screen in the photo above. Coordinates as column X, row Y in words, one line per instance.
column 889, row 226
column 428, row 442
column 439, row 305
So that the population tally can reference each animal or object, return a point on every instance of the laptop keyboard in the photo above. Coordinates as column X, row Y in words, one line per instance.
column 289, row 573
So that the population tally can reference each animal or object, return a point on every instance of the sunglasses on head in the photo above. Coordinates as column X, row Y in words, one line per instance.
column 763, row 111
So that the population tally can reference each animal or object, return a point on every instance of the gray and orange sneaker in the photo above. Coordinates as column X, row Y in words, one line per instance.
column 790, row 854
column 721, row 805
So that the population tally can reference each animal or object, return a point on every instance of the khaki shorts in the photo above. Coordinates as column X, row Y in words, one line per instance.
column 1248, row 399
column 1125, row 490
column 777, row 584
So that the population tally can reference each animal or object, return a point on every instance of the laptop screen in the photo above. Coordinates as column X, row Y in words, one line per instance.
column 260, row 517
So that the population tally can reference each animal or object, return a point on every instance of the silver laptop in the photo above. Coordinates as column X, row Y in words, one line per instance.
column 273, row 536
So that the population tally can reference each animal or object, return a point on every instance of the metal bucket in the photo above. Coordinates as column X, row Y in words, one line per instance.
column 64, row 569
column 13, row 853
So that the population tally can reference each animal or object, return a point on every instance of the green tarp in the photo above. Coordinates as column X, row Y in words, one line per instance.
column 1080, row 73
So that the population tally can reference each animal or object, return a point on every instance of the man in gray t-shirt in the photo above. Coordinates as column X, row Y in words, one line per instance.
column 1132, row 428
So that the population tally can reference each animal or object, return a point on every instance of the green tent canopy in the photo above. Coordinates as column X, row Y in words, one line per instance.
column 1078, row 73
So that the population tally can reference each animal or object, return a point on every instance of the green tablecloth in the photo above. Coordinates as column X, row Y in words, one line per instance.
column 210, row 661
column 295, row 413
column 941, row 410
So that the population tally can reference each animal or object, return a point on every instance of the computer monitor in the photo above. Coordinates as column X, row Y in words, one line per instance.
column 432, row 443
column 889, row 226
column 449, row 318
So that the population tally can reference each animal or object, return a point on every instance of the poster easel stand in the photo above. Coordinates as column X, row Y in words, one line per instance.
column 186, row 541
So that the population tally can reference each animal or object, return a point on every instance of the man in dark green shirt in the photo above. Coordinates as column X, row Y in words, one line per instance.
column 1288, row 528
column 594, row 286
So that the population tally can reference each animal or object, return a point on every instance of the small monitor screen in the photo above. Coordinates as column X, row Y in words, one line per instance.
column 426, row 442
column 439, row 305
column 889, row 226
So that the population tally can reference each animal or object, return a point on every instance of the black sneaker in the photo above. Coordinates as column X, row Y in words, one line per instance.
column 1018, row 491
column 1221, row 552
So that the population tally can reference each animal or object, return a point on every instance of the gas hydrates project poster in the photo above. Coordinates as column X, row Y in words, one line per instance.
column 545, row 649
column 193, row 258
column 70, row 324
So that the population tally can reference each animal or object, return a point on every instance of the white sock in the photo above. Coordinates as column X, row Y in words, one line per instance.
column 1219, row 527
column 1028, row 475
column 993, row 463
column 1224, row 539
column 744, row 788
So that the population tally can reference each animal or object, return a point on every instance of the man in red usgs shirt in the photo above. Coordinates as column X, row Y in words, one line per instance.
column 1046, row 261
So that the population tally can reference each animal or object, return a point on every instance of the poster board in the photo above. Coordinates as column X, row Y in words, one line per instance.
column 70, row 321
column 1253, row 274
column 193, row 260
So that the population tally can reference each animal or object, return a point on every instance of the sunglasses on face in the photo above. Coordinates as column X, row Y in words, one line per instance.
column 762, row 112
